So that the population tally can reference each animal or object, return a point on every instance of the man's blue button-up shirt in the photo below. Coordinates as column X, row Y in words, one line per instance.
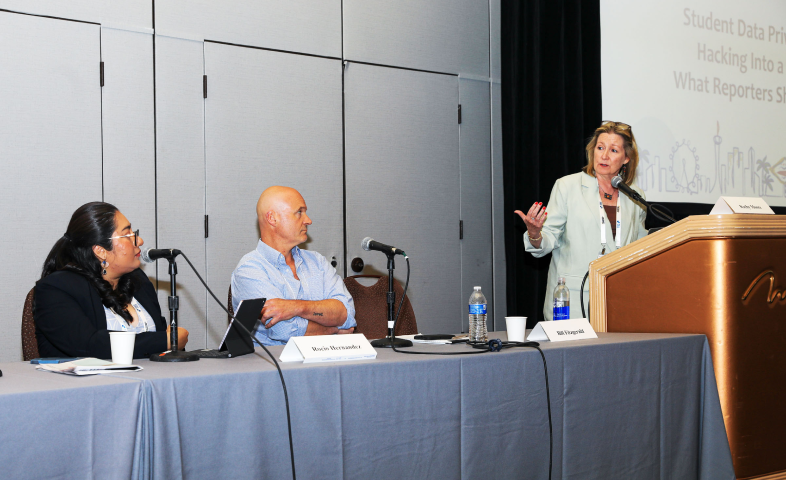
column 264, row 273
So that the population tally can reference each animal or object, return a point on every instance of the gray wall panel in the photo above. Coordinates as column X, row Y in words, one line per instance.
column 498, row 209
column 495, row 39
column 128, row 130
column 180, row 173
column 50, row 145
column 449, row 36
column 399, row 149
column 271, row 119
column 306, row 26
column 403, row 182
column 475, row 154
column 126, row 13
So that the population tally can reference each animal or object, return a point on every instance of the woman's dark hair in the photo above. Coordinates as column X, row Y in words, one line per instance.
column 91, row 224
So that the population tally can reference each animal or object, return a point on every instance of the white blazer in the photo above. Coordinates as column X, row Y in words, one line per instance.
column 572, row 234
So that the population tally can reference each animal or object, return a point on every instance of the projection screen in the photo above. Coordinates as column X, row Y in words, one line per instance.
column 702, row 84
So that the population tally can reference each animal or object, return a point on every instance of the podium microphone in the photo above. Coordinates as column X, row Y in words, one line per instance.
column 617, row 182
column 658, row 211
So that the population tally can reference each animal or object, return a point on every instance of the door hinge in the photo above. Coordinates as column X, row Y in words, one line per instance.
column 461, row 229
column 204, row 86
column 206, row 226
column 459, row 114
column 102, row 73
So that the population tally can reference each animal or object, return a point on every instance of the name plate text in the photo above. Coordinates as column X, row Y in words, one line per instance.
column 562, row 331
column 727, row 205
column 328, row 348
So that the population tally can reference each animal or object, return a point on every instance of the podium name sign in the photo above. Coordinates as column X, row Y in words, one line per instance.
column 562, row 330
column 727, row 205
column 328, row 348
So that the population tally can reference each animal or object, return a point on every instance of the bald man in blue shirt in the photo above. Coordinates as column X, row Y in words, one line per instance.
column 305, row 295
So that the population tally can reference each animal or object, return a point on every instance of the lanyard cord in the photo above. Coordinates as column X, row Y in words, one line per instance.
column 618, row 239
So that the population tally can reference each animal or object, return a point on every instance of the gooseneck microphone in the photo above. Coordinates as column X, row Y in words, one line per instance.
column 617, row 182
column 658, row 211
column 369, row 243
column 150, row 255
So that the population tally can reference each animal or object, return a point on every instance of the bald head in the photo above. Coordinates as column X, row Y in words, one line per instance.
column 275, row 198
column 283, row 222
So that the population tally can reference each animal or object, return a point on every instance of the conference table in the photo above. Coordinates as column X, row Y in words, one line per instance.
column 622, row 406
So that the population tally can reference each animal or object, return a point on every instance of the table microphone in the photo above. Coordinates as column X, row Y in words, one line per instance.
column 150, row 255
column 369, row 243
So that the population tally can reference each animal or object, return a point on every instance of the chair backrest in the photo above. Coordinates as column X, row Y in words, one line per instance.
column 29, row 342
column 371, row 308
column 229, row 306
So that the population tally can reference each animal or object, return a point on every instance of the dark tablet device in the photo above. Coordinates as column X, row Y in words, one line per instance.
column 236, row 341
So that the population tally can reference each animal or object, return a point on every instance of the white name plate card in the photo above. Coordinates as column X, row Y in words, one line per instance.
column 328, row 348
column 562, row 330
column 727, row 205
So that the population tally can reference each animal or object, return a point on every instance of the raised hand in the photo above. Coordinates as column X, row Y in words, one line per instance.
column 534, row 219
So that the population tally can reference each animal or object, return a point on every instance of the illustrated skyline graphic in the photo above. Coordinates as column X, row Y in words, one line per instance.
column 736, row 172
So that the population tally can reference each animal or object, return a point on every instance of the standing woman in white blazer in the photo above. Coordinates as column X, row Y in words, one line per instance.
column 587, row 216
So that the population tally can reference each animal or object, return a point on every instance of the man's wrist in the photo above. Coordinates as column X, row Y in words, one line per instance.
column 301, row 308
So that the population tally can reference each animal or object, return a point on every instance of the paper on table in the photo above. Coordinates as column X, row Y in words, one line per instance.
column 87, row 366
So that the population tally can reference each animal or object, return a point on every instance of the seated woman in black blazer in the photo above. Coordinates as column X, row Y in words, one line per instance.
column 91, row 283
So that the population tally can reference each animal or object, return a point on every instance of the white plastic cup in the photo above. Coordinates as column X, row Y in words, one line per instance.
column 516, row 327
column 122, row 347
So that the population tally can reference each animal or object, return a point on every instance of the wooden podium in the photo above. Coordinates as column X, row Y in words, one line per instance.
column 723, row 276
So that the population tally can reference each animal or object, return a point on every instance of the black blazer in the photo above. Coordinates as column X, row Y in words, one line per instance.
column 70, row 319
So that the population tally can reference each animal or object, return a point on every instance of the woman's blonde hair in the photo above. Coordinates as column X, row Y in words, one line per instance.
column 628, row 171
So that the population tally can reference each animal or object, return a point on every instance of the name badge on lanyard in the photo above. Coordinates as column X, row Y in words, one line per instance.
column 618, row 241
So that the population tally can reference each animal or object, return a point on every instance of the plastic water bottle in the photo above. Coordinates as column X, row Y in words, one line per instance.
column 477, row 317
column 561, row 301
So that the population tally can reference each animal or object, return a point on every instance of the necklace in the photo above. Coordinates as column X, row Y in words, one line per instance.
column 607, row 196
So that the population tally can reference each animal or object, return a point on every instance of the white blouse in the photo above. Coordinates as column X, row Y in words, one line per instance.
column 115, row 322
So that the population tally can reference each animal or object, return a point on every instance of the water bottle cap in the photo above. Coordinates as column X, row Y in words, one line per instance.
column 477, row 288
column 561, row 281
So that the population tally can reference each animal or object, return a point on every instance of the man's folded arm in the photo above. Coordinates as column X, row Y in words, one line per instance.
column 248, row 283
column 317, row 329
column 326, row 313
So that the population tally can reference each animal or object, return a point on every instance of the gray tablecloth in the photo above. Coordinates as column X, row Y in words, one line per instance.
column 60, row 427
column 623, row 406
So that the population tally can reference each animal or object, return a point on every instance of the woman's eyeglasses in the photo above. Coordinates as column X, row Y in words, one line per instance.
column 134, row 234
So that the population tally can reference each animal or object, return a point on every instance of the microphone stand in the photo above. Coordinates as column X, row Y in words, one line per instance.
column 174, row 355
column 391, row 340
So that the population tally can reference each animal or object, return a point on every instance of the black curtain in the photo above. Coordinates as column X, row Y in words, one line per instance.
column 551, row 104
